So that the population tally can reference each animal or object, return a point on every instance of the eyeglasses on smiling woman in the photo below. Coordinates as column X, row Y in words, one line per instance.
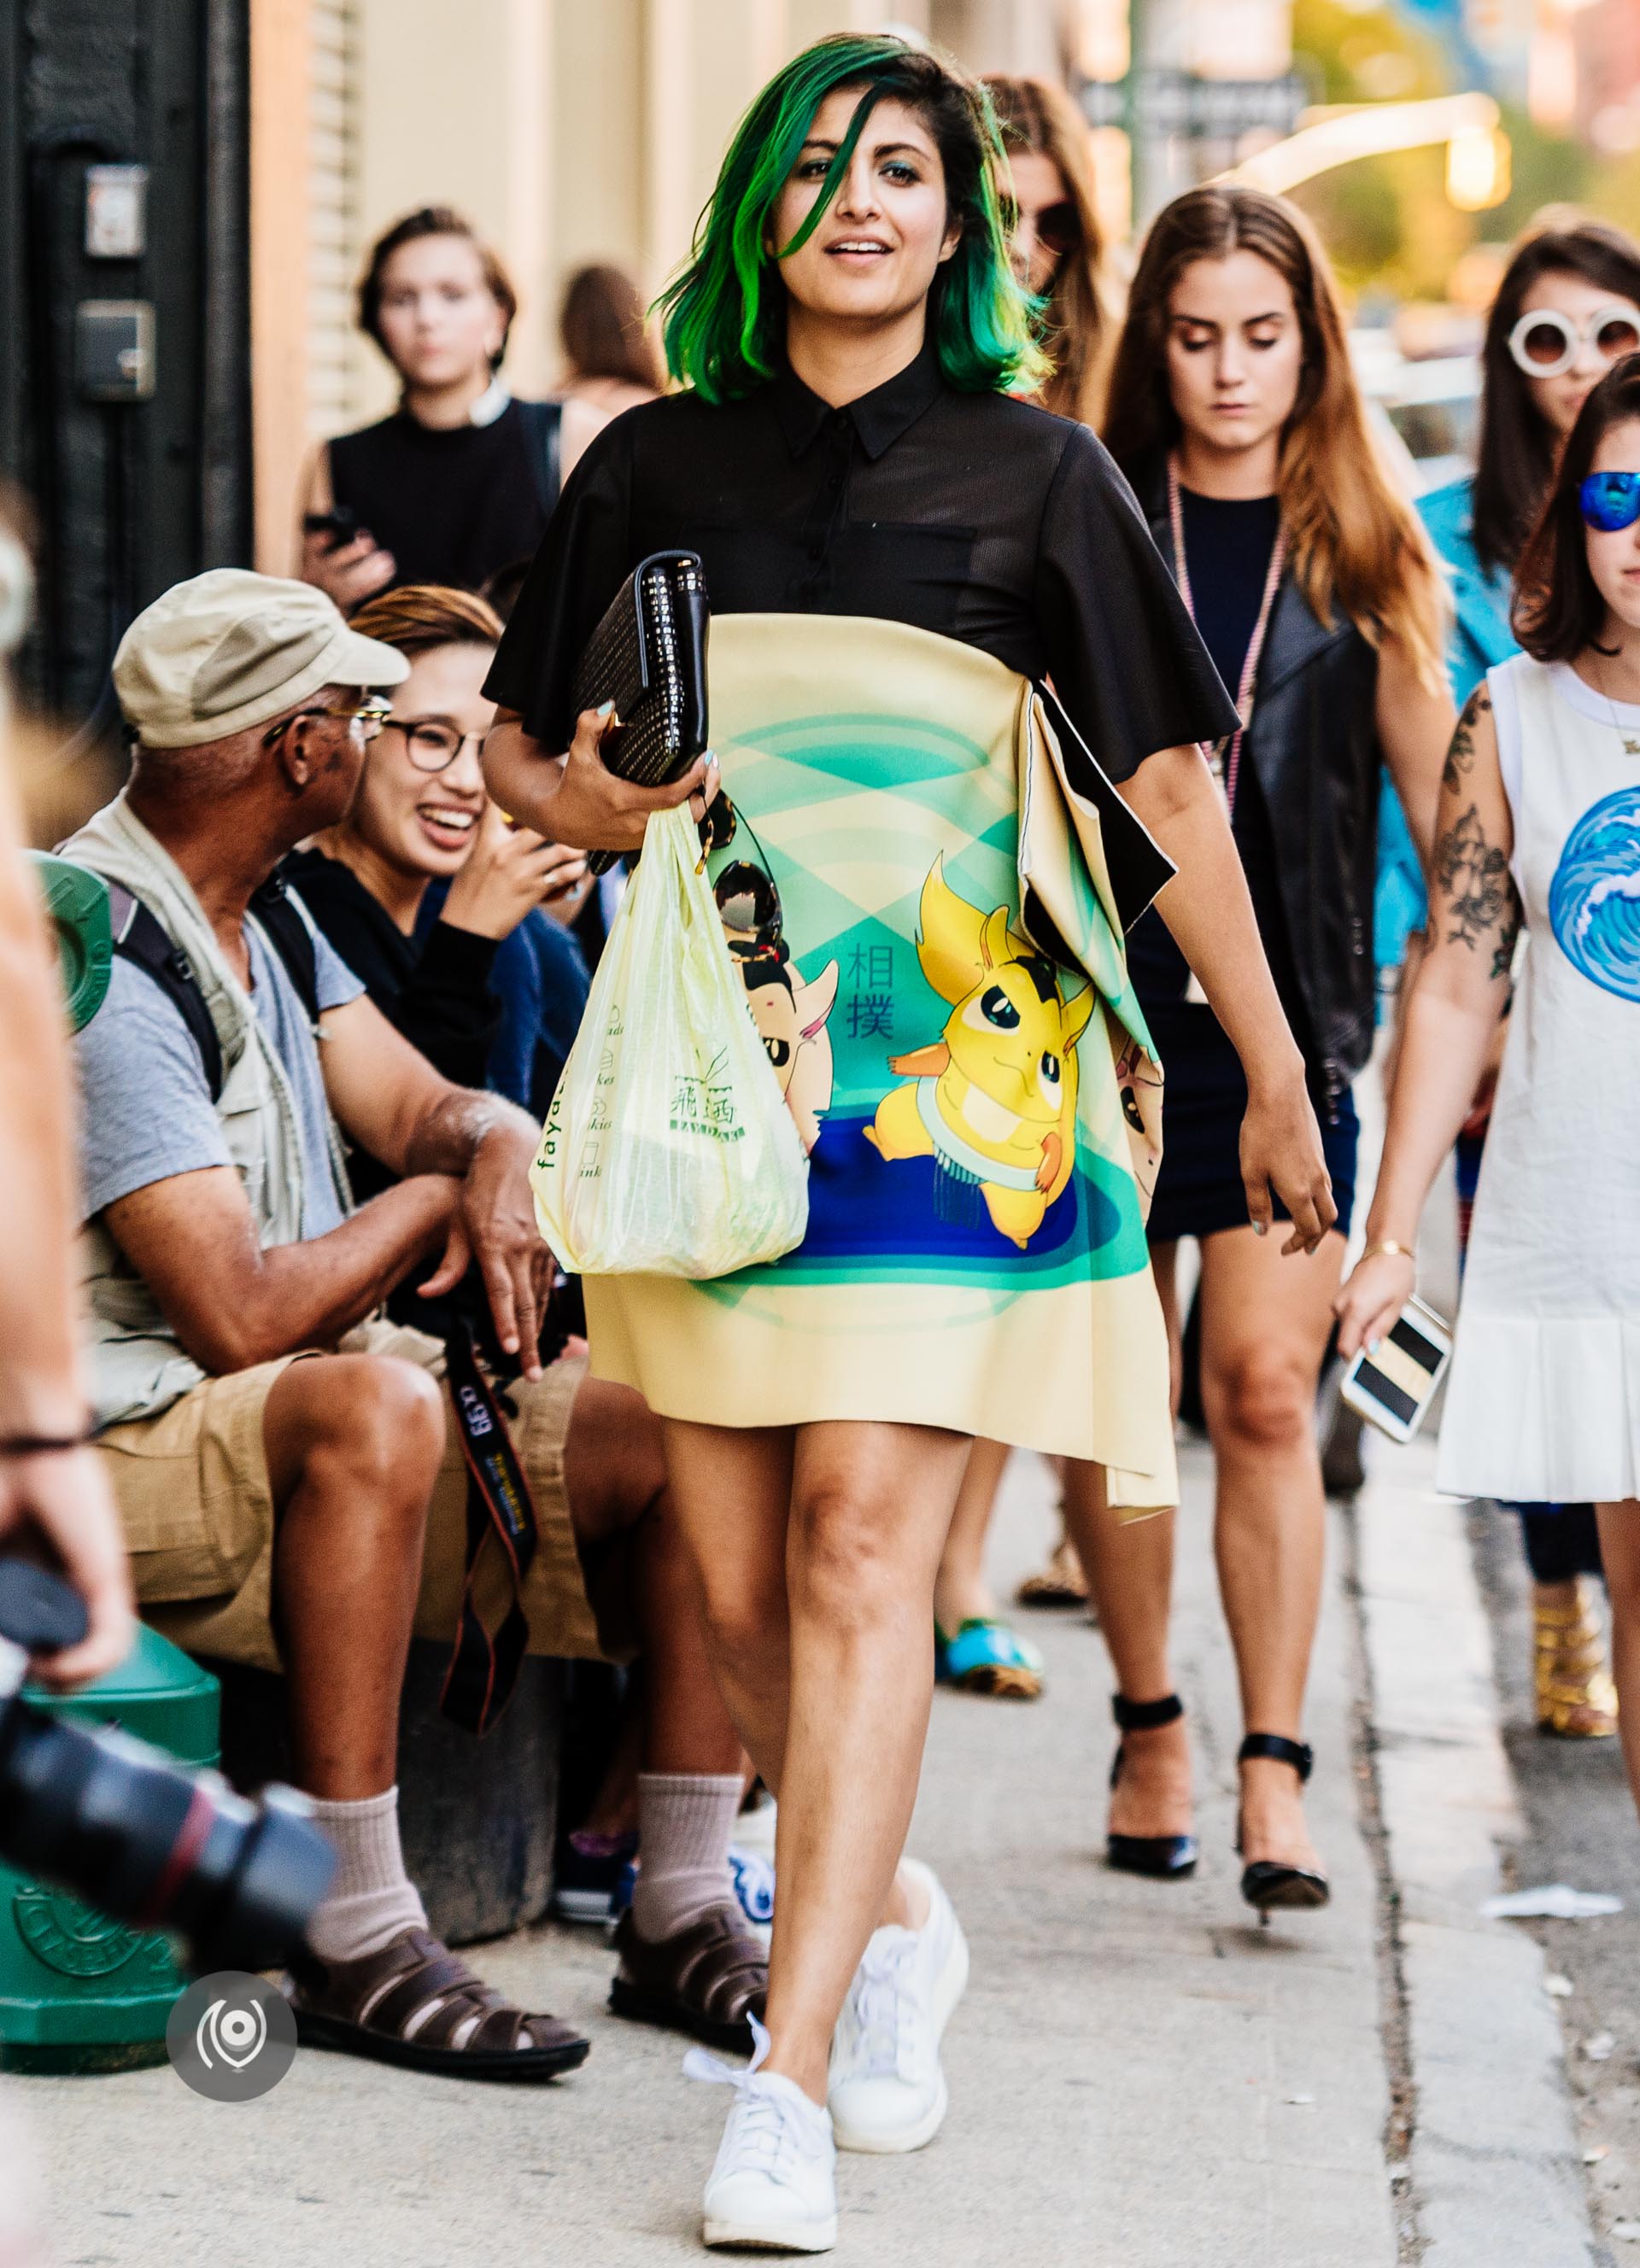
column 431, row 744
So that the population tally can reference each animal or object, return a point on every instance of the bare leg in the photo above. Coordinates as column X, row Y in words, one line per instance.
column 615, row 1807
column 1265, row 1324
column 731, row 1489
column 960, row 1591
column 871, row 1506
column 353, row 1443
column 616, row 1478
column 1620, row 1549
column 1130, row 1573
column 1129, row 1565
column 817, row 1554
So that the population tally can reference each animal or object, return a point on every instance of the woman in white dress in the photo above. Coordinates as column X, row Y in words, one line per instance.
column 1539, row 826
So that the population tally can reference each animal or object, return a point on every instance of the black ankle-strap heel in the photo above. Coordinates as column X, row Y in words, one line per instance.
column 1267, row 1884
column 1164, row 1858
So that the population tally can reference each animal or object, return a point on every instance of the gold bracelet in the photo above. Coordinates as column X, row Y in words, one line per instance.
column 1386, row 1248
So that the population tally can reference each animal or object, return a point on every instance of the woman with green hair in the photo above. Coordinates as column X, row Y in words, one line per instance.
column 934, row 864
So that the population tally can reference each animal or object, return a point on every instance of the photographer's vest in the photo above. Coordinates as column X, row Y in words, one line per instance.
column 137, row 1367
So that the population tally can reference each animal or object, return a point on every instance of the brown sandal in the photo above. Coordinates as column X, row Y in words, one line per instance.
column 705, row 1981
column 1062, row 1583
column 417, row 2003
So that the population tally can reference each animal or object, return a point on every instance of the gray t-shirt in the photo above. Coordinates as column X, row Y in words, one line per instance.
column 146, row 1112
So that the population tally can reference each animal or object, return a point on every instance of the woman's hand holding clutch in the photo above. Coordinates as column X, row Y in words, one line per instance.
column 594, row 809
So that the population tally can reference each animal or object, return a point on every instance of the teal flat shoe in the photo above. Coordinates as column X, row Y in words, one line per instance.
column 987, row 1657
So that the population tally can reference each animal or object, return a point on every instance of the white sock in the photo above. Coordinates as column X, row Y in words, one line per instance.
column 684, row 1823
column 372, row 1898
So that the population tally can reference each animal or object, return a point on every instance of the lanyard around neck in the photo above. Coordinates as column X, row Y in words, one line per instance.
column 1224, row 756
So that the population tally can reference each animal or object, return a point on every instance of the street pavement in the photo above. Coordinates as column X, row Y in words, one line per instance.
column 1140, row 2078
column 1580, row 1829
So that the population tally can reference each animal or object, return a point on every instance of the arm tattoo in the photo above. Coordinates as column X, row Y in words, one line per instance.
column 1461, row 754
column 1472, row 876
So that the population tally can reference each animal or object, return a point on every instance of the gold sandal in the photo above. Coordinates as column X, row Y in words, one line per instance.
column 1577, row 1699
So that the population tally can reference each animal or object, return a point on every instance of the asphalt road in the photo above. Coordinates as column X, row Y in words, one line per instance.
column 1581, row 1829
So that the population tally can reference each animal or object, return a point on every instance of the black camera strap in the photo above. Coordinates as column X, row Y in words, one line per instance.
column 502, row 1533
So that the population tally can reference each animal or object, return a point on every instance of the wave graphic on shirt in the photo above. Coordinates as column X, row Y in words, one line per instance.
column 1595, row 900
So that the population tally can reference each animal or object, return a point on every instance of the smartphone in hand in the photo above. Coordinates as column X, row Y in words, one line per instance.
column 340, row 525
column 1394, row 1385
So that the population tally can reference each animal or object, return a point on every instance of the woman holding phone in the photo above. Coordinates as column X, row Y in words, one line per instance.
column 894, row 548
column 1566, row 308
column 458, row 481
column 1539, row 826
column 1235, row 412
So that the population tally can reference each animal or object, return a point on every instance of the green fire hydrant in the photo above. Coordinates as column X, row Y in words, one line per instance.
column 77, row 1991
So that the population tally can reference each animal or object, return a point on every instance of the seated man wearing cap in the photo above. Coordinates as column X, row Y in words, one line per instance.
column 288, row 1470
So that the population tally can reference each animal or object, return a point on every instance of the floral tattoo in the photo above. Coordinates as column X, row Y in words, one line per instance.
column 1482, row 904
column 1461, row 754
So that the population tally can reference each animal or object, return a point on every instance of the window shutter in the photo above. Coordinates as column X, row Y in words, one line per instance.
column 333, row 211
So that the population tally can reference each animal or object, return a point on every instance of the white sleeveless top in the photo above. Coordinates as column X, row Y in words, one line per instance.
column 1544, row 1399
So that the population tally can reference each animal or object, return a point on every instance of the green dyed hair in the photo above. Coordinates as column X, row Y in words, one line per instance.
column 725, row 311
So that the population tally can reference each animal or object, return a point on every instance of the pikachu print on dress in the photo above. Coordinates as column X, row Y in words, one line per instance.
column 993, row 1100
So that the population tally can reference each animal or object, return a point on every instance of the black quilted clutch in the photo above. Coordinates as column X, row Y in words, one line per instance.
column 648, row 655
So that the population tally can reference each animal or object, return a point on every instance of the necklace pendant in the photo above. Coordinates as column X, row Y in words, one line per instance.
column 1631, row 745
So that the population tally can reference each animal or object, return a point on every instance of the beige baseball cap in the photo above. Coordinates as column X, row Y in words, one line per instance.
column 229, row 650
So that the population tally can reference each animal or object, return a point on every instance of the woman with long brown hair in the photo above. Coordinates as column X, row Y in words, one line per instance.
column 1237, row 417
column 611, row 360
column 1056, row 240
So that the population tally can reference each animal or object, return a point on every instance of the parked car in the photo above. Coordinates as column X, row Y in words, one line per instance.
column 1432, row 406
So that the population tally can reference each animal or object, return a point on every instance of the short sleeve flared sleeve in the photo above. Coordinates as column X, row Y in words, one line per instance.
column 582, row 563
column 1122, row 651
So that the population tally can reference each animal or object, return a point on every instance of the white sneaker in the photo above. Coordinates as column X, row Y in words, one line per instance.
column 773, row 2185
column 887, row 2091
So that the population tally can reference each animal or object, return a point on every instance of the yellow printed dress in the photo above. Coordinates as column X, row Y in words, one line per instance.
column 925, row 894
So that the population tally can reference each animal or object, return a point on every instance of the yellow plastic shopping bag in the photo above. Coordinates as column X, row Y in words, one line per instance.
column 669, row 1150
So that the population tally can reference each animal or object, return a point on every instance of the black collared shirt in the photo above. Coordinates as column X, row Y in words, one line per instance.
column 972, row 515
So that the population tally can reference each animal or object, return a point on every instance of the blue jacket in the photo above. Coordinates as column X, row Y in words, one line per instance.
column 539, row 976
column 1480, row 639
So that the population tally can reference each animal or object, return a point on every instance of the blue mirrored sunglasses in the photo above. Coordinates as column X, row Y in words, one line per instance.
column 1610, row 500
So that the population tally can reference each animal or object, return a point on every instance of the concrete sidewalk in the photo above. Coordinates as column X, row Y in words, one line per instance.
column 1140, row 2077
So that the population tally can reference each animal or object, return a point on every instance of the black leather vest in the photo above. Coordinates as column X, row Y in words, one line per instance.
column 1314, row 745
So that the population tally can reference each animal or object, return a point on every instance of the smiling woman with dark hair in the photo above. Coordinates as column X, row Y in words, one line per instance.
column 897, row 552
column 439, row 907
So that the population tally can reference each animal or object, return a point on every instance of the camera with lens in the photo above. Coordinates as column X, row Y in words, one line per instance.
column 133, row 1833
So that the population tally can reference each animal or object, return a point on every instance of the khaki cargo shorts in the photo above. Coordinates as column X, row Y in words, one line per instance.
column 194, row 1496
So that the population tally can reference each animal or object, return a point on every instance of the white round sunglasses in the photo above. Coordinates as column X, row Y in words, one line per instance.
column 1545, row 342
